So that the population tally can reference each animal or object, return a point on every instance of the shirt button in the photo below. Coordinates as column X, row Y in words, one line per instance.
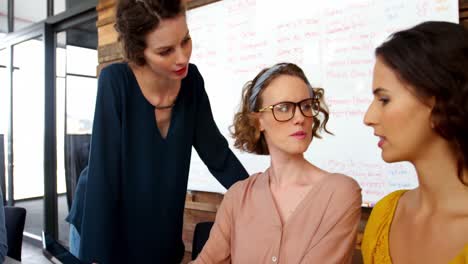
column 274, row 259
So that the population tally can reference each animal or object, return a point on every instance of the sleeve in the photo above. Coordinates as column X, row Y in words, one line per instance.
column 337, row 245
column 211, row 145
column 3, row 234
column 217, row 249
column 75, row 216
column 370, row 237
column 376, row 232
column 98, row 227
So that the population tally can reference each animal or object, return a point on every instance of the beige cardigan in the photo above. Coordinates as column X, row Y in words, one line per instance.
column 322, row 229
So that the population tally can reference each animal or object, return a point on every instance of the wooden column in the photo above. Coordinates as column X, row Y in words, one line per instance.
column 109, row 50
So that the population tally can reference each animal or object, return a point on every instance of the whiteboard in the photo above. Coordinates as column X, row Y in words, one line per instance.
column 333, row 41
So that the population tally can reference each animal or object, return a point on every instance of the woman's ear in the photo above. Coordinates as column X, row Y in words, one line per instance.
column 257, row 121
column 261, row 128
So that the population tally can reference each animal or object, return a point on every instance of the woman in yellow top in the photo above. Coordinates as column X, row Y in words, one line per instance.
column 420, row 114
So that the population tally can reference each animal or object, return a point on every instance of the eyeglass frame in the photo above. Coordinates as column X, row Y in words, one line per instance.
column 315, row 101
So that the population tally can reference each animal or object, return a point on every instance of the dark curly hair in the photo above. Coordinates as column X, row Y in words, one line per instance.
column 433, row 58
column 136, row 18
column 245, row 129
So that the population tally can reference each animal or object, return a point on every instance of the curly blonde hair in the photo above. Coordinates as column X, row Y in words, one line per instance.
column 245, row 128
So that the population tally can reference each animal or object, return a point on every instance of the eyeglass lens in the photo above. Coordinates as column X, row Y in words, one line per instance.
column 286, row 110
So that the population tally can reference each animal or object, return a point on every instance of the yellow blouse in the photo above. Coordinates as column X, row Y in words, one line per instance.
column 375, row 243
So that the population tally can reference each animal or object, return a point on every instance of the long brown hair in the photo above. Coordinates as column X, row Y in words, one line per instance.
column 433, row 58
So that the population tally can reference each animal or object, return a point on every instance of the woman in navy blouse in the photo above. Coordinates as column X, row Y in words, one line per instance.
column 150, row 111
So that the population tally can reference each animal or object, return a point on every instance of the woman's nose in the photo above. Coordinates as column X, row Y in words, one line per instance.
column 370, row 117
column 298, row 117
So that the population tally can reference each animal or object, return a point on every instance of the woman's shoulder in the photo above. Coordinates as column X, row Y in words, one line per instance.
column 243, row 186
column 115, row 69
column 193, row 84
column 387, row 205
column 247, row 189
column 342, row 192
column 375, row 239
column 114, row 81
column 193, row 68
column 383, row 211
column 342, row 181
column 193, row 73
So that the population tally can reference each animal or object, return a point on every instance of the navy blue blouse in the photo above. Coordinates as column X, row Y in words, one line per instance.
column 137, row 180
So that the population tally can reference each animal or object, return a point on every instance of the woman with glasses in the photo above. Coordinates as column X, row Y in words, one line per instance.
column 293, row 212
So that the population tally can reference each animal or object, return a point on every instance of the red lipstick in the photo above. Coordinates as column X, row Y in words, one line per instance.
column 181, row 71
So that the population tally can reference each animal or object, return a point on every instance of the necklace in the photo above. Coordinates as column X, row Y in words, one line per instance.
column 164, row 107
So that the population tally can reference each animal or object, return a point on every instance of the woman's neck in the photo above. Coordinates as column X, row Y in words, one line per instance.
column 440, row 187
column 159, row 91
column 153, row 83
column 286, row 170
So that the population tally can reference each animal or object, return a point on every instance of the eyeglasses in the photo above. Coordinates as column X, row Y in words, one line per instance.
column 284, row 111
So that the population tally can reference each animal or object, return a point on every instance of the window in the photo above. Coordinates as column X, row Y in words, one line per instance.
column 3, row 17
column 27, row 12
